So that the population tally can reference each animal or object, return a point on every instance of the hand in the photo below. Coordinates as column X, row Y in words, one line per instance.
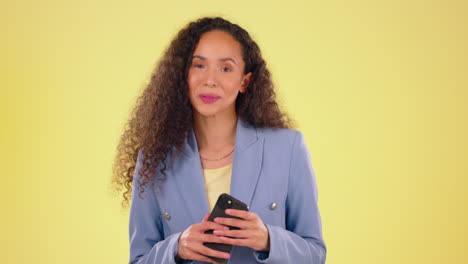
column 192, row 239
column 253, row 233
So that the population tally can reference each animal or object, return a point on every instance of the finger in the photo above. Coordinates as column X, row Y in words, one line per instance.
column 202, row 249
column 233, row 233
column 249, row 216
column 210, row 238
column 236, row 241
column 196, row 249
column 242, row 224
column 206, row 217
column 192, row 255
column 208, row 225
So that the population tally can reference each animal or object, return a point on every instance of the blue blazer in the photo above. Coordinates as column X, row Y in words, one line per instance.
column 269, row 166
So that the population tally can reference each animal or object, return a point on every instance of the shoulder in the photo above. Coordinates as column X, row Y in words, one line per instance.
column 280, row 136
column 280, row 139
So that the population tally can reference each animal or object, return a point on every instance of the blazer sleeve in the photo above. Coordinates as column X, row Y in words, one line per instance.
column 147, row 243
column 302, row 240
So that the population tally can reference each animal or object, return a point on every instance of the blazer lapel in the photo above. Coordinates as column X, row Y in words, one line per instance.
column 189, row 180
column 248, row 157
column 188, row 173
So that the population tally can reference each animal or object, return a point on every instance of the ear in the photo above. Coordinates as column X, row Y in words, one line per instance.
column 245, row 82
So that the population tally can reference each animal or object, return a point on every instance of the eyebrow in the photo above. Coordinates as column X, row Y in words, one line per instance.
column 221, row 59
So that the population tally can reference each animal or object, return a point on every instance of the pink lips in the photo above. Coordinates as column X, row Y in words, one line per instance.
column 209, row 98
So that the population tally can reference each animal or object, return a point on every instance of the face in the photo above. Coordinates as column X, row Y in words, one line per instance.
column 216, row 74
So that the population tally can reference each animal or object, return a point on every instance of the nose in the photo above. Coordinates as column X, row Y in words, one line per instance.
column 211, row 80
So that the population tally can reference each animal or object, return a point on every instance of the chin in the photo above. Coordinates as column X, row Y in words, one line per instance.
column 204, row 111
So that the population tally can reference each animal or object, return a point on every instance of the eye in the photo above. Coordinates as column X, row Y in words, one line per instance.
column 201, row 66
column 226, row 69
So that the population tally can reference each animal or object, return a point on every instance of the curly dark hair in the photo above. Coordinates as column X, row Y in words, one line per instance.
column 163, row 114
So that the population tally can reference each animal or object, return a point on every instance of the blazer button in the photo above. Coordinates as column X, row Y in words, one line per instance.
column 167, row 216
column 273, row 206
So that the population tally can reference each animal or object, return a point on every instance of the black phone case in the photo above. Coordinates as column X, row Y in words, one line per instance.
column 225, row 201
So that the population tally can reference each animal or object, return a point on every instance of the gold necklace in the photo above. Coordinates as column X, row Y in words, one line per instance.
column 218, row 159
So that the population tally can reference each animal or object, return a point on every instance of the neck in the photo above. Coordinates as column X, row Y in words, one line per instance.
column 214, row 133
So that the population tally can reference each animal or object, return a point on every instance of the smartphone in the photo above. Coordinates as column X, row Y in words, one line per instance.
column 225, row 201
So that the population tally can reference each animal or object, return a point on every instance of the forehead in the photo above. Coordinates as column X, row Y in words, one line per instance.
column 218, row 44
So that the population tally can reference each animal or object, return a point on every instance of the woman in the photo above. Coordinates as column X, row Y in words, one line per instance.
column 208, row 123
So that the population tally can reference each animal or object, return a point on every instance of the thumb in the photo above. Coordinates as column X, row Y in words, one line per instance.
column 206, row 217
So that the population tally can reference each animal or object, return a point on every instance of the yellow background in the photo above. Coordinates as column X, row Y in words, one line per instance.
column 378, row 87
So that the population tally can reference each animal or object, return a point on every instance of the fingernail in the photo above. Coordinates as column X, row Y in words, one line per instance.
column 226, row 228
column 226, row 256
column 228, row 211
column 217, row 232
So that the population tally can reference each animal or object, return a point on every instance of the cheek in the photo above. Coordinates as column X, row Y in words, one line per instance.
column 234, row 85
column 192, row 82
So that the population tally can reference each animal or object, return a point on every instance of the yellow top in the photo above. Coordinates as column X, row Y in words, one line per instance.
column 217, row 181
